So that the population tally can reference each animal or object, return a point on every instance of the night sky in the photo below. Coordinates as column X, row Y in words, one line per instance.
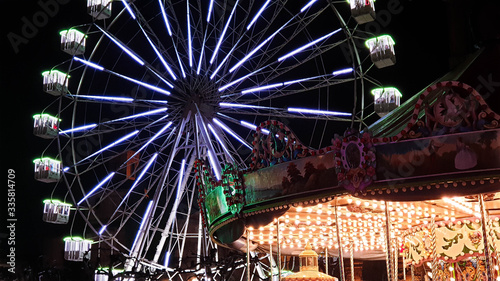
column 430, row 37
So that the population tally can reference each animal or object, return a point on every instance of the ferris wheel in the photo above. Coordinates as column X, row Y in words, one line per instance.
column 150, row 87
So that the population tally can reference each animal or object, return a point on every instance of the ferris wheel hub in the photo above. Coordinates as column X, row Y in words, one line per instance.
column 199, row 95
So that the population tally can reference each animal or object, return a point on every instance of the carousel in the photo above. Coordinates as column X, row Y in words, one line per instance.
column 418, row 191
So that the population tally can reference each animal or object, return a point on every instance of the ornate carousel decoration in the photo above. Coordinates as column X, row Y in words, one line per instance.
column 455, row 241
column 355, row 160
column 447, row 107
column 309, row 268
column 232, row 184
column 275, row 143
column 228, row 192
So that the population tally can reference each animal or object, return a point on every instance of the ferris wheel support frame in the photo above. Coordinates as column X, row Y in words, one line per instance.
column 201, row 144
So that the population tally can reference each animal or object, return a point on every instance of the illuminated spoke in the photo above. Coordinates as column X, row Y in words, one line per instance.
column 105, row 98
column 78, row 129
column 220, row 141
column 308, row 45
column 129, row 9
column 258, row 14
column 190, row 41
column 111, row 145
column 160, row 56
column 210, row 8
column 262, row 88
column 231, row 132
column 177, row 37
column 309, row 4
column 212, row 157
column 122, row 46
column 150, row 141
column 200, row 61
column 253, row 127
column 134, row 116
column 285, row 113
column 239, row 105
column 88, row 63
column 138, row 82
column 99, row 185
column 249, row 55
column 165, row 17
column 317, row 112
column 145, row 218
column 136, row 182
column 221, row 37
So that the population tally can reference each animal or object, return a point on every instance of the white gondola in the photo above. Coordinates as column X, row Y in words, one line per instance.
column 102, row 274
column 73, row 41
column 99, row 9
column 55, row 211
column 382, row 51
column 45, row 126
column 47, row 169
column 55, row 82
column 362, row 11
column 386, row 100
column 76, row 248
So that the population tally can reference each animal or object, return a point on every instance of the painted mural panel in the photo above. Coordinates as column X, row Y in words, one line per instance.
column 303, row 175
column 215, row 204
column 449, row 154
